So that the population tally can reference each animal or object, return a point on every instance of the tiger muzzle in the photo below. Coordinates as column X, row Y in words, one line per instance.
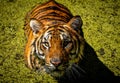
column 55, row 61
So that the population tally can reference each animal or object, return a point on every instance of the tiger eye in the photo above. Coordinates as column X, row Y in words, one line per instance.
column 46, row 44
column 65, row 43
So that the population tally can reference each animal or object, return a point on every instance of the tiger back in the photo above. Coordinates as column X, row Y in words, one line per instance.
column 54, row 38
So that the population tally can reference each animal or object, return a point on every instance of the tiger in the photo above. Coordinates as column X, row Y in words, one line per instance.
column 54, row 38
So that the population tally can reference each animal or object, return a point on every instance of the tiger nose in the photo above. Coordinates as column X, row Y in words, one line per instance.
column 55, row 61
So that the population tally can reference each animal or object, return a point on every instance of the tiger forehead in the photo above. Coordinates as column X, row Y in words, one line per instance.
column 56, row 28
column 56, row 32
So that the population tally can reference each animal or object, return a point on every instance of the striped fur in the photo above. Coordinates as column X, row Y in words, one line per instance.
column 54, row 38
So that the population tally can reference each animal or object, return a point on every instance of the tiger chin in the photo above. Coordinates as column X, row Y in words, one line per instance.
column 54, row 39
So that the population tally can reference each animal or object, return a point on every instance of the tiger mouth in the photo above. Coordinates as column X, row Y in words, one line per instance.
column 53, row 68
column 55, row 71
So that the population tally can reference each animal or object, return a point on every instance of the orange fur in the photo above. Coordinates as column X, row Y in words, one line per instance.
column 62, row 34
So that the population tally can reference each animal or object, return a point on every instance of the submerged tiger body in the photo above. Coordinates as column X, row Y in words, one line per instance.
column 54, row 38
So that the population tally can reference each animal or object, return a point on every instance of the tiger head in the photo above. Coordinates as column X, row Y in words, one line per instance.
column 57, row 46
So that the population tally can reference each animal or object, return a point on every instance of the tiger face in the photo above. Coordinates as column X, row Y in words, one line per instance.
column 53, row 44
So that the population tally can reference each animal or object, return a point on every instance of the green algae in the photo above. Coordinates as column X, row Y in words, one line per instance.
column 100, row 26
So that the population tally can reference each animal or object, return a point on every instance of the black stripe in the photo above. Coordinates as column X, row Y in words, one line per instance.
column 31, row 62
column 56, row 15
column 50, row 19
column 54, row 8
column 53, row 14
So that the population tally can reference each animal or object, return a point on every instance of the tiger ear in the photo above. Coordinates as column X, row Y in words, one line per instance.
column 76, row 23
column 35, row 25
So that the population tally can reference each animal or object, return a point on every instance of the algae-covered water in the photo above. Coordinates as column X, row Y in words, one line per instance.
column 101, row 28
